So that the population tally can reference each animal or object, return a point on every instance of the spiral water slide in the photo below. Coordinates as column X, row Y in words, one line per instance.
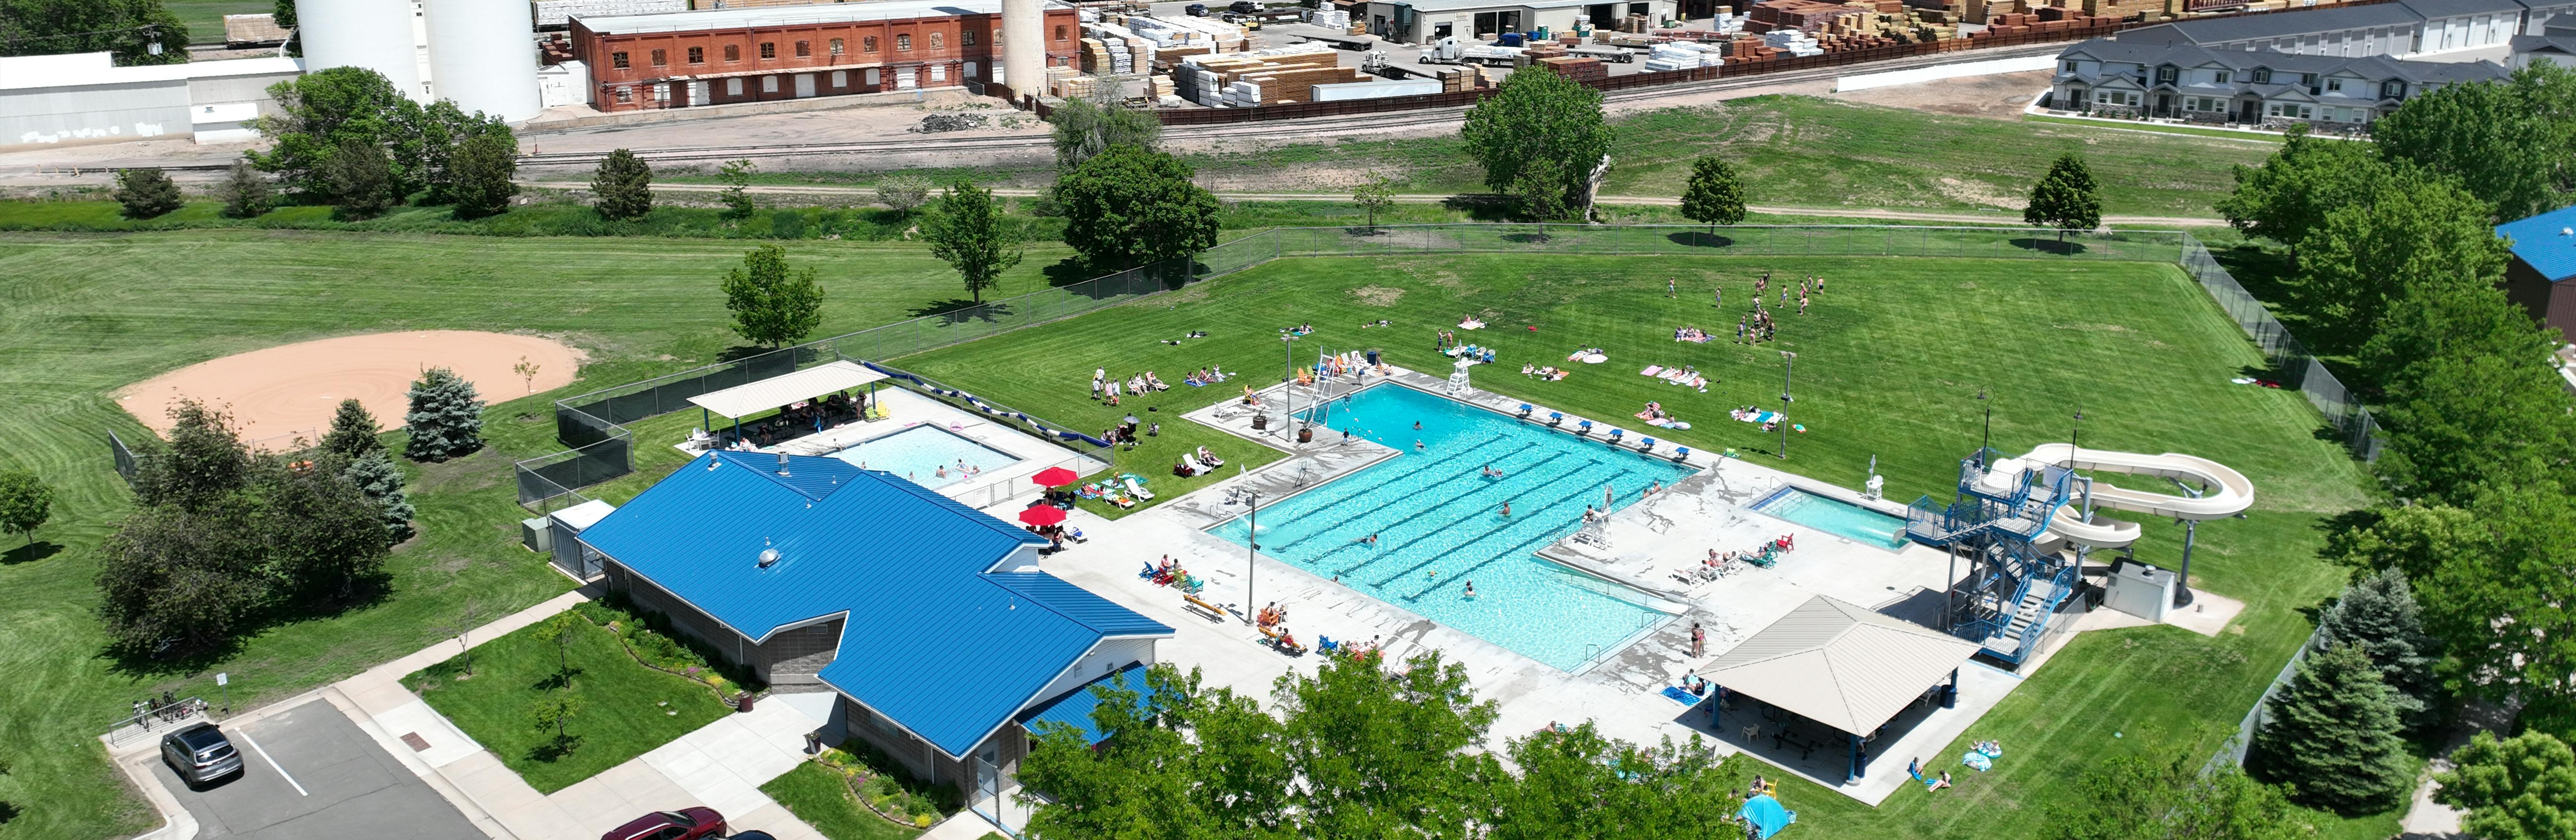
column 2229, row 492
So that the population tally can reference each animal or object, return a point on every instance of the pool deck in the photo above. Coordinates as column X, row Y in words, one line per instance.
column 996, row 486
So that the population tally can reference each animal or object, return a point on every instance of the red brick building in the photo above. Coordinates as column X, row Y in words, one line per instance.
column 681, row 59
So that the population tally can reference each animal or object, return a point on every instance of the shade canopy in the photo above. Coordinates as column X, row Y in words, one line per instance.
column 1042, row 515
column 1840, row 664
column 1055, row 477
column 786, row 388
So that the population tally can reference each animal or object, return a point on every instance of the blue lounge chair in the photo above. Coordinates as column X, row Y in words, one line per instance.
column 1645, row 444
column 1615, row 433
column 1585, row 426
column 1525, row 409
column 1555, row 417
column 1681, row 453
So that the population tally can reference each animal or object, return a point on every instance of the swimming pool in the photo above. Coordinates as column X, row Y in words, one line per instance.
column 1439, row 524
column 1835, row 516
column 918, row 453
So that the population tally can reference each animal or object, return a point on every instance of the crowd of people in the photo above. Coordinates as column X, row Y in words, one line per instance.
column 800, row 418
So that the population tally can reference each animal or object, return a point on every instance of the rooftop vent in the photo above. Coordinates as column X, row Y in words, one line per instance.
column 782, row 463
column 768, row 557
column 2567, row 231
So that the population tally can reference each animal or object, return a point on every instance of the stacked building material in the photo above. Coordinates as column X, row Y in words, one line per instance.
column 1333, row 19
column 1217, row 35
column 1581, row 69
column 1792, row 41
column 2124, row 9
column 1683, row 55
column 1804, row 15
column 1455, row 79
column 2047, row 19
column 1373, row 89
column 1209, row 80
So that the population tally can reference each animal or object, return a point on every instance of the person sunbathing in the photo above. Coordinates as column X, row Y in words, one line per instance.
column 1528, row 369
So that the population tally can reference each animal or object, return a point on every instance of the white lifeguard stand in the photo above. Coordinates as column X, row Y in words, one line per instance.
column 1458, row 386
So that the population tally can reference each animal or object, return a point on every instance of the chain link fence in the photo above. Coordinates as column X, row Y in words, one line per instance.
column 2285, row 354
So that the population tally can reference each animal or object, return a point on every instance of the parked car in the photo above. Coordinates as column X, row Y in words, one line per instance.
column 752, row 835
column 1196, row 10
column 1244, row 7
column 200, row 754
column 683, row 824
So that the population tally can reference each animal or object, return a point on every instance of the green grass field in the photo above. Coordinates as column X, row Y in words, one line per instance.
column 205, row 18
column 1890, row 360
column 627, row 709
column 821, row 797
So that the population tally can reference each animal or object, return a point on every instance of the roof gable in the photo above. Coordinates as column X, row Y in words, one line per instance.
column 1839, row 664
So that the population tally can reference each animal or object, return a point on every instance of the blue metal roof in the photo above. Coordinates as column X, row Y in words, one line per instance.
column 2545, row 242
column 934, row 637
column 1073, row 708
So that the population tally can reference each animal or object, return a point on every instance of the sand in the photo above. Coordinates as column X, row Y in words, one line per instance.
column 287, row 391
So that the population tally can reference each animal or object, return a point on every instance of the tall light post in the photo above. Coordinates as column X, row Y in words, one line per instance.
column 1788, row 366
column 1987, row 440
column 1251, row 546
column 1287, row 355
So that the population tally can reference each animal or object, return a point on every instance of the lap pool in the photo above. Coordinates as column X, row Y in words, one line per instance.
column 921, row 453
column 1439, row 524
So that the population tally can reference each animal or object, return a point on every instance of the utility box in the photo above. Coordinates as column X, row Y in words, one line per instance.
column 569, row 553
column 537, row 534
column 2140, row 590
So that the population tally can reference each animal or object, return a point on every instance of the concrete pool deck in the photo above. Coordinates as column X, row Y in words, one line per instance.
column 998, row 483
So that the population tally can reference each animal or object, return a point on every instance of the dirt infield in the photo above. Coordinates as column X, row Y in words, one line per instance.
column 292, row 390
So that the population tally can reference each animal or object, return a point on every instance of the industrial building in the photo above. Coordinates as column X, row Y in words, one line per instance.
column 2403, row 29
column 86, row 98
column 723, row 56
column 1428, row 21
column 2187, row 82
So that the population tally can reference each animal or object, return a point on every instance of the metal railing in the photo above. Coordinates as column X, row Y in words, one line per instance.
column 165, row 718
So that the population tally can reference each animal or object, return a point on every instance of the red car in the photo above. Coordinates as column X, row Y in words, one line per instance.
column 683, row 824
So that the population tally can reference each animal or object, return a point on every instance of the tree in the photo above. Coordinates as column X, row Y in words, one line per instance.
column 353, row 432
column 177, row 580
column 284, row 17
column 1128, row 206
column 972, row 236
column 2166, row 796
column 25, row 503
column 244, row 193
column 147, row 192
column 904, row 193
column 2331, row 734
column 1084, row 128
column 321, row 539
column 2494, row 587
column 135, row 32
column 2521, row 788
column 320, row 112
column 2066, row 198
column 1714, row 197
column 484, row 166
column 2404, row 234
column 2507, row 141
column 435, row 154
column 623, row 185
column 736, row 174
column 2287, row 198
column 1581, row 785
column 362, row 180
column 1381, row 753
column 2378, row 615
column 770, row 304
column 553, row 712
column 1179, row 761
column 203, row 460
column 446, row 417
column 1375, row 195
column 2470, row 398
column 375, row 475
column 558, row 631
column 1539, row 138
column 527, row 372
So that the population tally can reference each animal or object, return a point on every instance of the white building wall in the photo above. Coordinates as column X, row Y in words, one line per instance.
column 1111, row 655
column 94, row 113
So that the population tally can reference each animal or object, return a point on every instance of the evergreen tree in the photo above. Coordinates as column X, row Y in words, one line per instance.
column 322, row 540
column 623, row 186
column 446, row 417
column 2066, row 198
column 146, row 192
column 25, row 503
column 245, row 194
column 1540, row 137
column 973, row 237
column 361, row 177
column 1714, row 196
column 375, row 475
column 1127, row 207
column 482, row 168
column 771, row 304
column 2331, row 734
column 203, row 460
column 2521, row 788
column 2378, row 614
column 736, row 175
column 353, row 432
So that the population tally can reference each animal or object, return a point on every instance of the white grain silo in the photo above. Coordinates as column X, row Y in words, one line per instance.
column 483, row 55
column 1024, row 46
column 374, row 34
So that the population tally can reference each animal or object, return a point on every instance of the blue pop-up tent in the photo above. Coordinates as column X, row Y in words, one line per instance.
column 1766, row 815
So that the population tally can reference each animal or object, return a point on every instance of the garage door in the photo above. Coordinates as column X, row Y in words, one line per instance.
column 804, row 85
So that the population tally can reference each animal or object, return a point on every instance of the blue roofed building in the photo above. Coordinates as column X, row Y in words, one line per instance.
column 930, row 619
column 2544, row 260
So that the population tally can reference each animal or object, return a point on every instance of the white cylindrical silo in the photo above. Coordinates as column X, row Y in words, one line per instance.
column 374, row 34
column 483, row 55
column 1024, row 45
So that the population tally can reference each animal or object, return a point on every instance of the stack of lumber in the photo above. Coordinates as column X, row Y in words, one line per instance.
column 1583, row 69
column 1455, row 79
column 1210, row 80
column 1217, row 35
column 1111, row 48
column 1334, row 19
column 2047, row 19
column 1793, row 42
column 1804, row 15
column 1683, row 55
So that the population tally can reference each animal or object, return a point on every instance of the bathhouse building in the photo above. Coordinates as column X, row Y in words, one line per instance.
column 2542, row 275
column 931, row 620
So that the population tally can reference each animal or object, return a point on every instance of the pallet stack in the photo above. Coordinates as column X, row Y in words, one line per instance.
column 1581, row 69
column 1274, row 75
column 1804, row 15
column 2047, row 19
column 1684, row 55
column 1455, row 79
column 1182, row 32
column 1333, row 19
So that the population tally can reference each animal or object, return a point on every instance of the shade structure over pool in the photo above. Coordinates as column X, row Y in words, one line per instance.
column 786, row 388
column 1042, row 515
column 1840, row 664
column 1054, row 477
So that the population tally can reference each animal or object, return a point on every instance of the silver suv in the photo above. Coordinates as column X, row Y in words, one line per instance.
column 200, row 754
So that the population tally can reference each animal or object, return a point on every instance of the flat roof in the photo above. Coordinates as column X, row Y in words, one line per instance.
column 1463, row 5
column 774, row 16
column 2220, row 30
column 82, row 70
column 778, row 391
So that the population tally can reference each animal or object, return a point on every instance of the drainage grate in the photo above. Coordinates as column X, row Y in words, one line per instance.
column 417, row 743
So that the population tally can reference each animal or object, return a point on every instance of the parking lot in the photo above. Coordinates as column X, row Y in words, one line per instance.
column 308, row 773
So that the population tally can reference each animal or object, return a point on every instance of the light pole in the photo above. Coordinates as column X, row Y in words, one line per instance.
column 1287, row 355
column 1251, row 546
column 1788, row 366
column 1985, row 441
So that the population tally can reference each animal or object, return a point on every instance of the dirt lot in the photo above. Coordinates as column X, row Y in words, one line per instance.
column 1999, row 97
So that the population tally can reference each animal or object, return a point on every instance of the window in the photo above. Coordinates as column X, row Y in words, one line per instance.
column 2392, row 89
column 2221, row 77
column 2114, row 97
column 2309, row 79
column 2288, row 109
column 625, row 95
column 872, row 77
column 768, row 49
column 1059, row 32
column 840, row 78
column 804, row 49
column 733, row 53
column 939, row 72
column 769, row 84
column 938, row 41
column 617, row 60
column 733, row 87
column 697, row 55
column 868, row 44
column 903, row 43
column 2166, row 75
column 2334, row 85
column 2262, row 75
column 966, row 37
column 837, row 47
column 661, row 58
column 2070, row 67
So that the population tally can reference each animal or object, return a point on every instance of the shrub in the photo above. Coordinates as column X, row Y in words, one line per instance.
column 146, row 192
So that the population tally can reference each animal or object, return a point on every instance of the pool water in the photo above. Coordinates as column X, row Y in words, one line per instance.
column 1835, row 516
column 919, row 452
column 1439, row 523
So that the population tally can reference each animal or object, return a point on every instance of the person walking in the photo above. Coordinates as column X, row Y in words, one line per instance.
column 1699, row 641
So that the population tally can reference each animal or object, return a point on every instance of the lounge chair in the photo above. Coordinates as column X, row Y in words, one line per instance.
column 1645, row 444
column 1615, row 433
column 1525, row 409
column 1584, row 426
column 1135, row 488
column 1554, row 418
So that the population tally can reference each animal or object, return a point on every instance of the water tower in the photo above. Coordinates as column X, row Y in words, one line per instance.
column 483, row 55
column 374, row 34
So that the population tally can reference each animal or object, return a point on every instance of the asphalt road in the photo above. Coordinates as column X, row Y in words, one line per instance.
column 349, row 786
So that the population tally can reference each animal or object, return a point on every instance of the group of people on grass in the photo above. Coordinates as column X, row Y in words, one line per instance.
column 1108, row 390
column 1758, row 326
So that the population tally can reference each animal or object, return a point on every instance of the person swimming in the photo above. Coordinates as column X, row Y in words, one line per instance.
column 1507, row 507
column 1471, row 589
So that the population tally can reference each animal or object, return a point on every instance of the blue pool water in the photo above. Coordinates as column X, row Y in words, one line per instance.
column 1439, row 524
column 917, row 453
column 1835, row 516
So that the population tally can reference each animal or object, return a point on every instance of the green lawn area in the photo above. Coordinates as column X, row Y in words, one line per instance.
column 821, row 797
column 205, row 18
column 2163, row 128
column 1890, row 360
column 627, row 709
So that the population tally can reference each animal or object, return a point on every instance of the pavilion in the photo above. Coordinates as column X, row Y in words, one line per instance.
column 1831, row 670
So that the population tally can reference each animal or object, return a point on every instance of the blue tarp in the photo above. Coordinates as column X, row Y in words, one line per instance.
column 1766, row 815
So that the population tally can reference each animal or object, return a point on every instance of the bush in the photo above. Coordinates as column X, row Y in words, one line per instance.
column 146, row 192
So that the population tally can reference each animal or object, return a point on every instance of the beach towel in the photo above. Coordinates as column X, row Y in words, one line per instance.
column 1651, row 370
column 1978, row 760
column 1677, row 695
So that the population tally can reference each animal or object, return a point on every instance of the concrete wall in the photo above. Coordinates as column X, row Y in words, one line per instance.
column 94, row 113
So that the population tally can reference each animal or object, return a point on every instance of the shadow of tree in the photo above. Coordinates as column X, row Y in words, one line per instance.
column 1483, row 207
column 559, row 679
column 1539, row 238
column 30, row 552
column 961, row 310
column 2067, row 247
column 555, row 748
column 1699, row 239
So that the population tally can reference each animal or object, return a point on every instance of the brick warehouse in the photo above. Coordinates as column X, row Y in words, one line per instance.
column 680, row 59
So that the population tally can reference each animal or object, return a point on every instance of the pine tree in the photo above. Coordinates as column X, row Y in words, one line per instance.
column 353, row 432
column 2066, row 198
column 623, row 186
column 146, row 192
column 1714, row 196
column 375, row 475
column 446, row 417
column 245, row 193
column 362, row 179
column 2378, row 614
column 2332, row 734
column 483, row 165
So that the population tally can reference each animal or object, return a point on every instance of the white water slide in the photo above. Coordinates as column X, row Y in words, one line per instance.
column 2229, row 492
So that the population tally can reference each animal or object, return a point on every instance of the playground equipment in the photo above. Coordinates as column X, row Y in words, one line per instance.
column 2026, row 524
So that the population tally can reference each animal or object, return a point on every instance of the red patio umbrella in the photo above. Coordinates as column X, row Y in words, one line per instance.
column 1054, row 477
column 1042, row 515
